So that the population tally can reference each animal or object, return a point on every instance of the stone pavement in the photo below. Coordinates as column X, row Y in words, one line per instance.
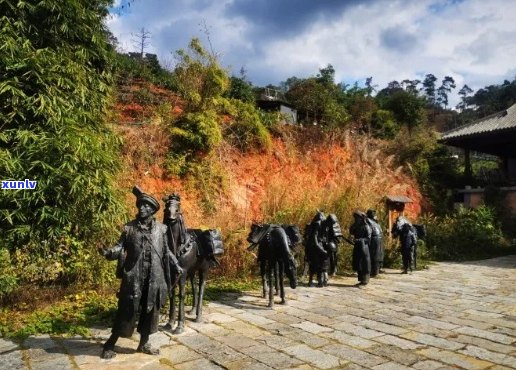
column 447, row 317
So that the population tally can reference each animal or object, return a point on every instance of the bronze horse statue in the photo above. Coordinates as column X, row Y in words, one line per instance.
column 273, row 252
column 193, row 257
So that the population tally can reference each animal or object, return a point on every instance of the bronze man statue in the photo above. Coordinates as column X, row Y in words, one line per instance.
column 316, row 256
column 145, row 265
column 361, row 232
column 406, row 233
column 376, row 250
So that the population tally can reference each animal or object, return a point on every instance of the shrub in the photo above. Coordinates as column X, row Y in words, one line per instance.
column 383, row 124
column 8, row 279
column 246, row 130
column 196, row 133
column 466, row 234
column 431, row 164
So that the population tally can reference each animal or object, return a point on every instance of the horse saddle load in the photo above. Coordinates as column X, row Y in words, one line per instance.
column 334, row 228
column 210, row 241
column 420, row 230
column 293, row 234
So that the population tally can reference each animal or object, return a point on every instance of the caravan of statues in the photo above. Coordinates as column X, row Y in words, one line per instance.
column 156, row 258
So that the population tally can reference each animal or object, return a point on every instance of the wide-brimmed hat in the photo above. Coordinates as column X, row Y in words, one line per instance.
column 142, row 197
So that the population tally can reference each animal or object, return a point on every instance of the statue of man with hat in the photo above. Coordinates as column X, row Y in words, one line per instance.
column 361, row 260
column 144, row 265
column 376, row 249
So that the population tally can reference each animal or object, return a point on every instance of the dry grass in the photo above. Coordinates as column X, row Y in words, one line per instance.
column 306, row 170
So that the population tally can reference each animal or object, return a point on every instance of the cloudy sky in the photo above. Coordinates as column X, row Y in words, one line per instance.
column 474, row 41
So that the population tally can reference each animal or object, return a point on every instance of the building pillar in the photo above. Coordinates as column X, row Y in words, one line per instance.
column 468, row 172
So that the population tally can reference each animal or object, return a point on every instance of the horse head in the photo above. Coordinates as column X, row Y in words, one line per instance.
column 172, row 209
column 255, row 234
column 291, row 271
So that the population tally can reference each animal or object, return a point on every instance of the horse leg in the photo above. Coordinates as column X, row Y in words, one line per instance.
column 194, row 295
column 310, row 278
column 281, row 285
column 181, row 317
column 264, row 281
column 276, row 280
column 270, row 273
column 172, row 310
column 202, row 284
column 320, row 278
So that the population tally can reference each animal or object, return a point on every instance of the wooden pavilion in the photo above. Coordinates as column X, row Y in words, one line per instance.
column 495, row 135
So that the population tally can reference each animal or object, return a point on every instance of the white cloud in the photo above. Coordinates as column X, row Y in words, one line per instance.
column 472, row 40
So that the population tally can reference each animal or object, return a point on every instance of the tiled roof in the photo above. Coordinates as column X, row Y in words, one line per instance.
column 504, row 120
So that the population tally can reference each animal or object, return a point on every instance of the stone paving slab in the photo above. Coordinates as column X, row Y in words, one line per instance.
column 451, row 316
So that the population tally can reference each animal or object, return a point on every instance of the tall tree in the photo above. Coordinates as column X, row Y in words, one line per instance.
column 141, row 41
column 411, row 85
column 429, row 88
column 326, row 76
column 370, row 88
column 406, row 107
column 240, row 89
column 464, row 93
column 446, row 87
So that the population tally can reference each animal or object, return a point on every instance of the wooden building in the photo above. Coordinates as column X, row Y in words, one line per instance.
column 495, row 135
column 272, row 100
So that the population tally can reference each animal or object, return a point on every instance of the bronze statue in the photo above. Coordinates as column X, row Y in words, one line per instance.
column 407, row 235
column 146, row 267
column 196, row 251
column 316, row 256
column 332, row 236
column 376, row 249
column 361, row 232
column 273, row 252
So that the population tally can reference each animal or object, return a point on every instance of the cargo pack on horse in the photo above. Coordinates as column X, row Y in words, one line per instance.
column 273, row 250
column 195, row 251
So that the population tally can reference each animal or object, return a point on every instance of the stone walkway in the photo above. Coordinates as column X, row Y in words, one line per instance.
column 450, row 316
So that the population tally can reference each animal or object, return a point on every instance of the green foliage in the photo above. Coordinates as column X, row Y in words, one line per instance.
column 362, row 109
column 128, row 67
column 209, row 181
column 195, row 133
column 316, row 100
column 200, row 79
column 246, row 130
column 66, row 260
column 493, row 98
column 431, row 163
column 73, row 316
column 8, row 278
column 209, row 114
column 56, row 77
column 407, row 108
column 240, row 89
column 383, row 124
column 466, row 234
column 201, row 83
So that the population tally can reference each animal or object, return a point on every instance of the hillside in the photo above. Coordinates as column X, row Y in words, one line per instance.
column 304, row 170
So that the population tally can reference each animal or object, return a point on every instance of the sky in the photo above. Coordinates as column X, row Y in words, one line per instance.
column 473, row 41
